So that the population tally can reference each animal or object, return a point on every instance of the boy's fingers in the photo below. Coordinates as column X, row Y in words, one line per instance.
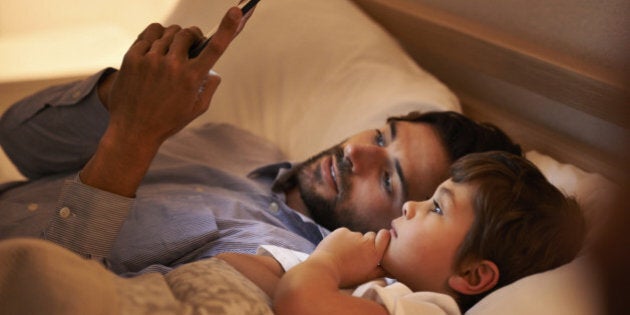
column 381, row 242
column 369, row 235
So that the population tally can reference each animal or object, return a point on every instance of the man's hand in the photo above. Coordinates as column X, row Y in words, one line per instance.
column 159, row 90
column 353, row 256
column 156, row 93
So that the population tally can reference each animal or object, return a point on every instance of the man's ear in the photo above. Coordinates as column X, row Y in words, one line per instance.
column 477, row 277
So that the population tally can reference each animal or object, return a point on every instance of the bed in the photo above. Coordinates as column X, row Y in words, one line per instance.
column 305, row 74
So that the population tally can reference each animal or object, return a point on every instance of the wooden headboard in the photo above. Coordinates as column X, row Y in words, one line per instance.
column 548, row 98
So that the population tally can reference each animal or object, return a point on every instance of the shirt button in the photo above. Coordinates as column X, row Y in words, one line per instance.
column 273, row 207
column 64, row 212
column 32, row 206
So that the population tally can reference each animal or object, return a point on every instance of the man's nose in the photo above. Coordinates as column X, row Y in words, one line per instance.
column 365, row 157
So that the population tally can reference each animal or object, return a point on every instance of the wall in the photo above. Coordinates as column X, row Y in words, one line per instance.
column 553, row 74
column 592, row 33
column 47, row 42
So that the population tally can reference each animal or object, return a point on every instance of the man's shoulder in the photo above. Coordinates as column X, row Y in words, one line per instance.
column 223, row 146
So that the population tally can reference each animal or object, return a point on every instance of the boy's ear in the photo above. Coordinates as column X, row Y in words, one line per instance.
column 477, row 277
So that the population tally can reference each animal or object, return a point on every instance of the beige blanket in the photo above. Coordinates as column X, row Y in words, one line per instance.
column 38, row 277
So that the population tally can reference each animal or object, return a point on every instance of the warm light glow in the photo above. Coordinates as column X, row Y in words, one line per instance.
column 42, row 39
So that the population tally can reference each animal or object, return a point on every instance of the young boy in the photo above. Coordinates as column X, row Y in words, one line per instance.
column 496, row 220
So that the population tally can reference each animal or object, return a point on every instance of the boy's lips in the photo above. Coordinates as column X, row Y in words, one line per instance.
column 392, row 230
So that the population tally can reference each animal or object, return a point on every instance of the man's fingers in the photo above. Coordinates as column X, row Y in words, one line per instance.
column 244, row 20
column 184, row 39
column 198, row 35
column 161, row 45
column 145, row 40
column 206, row 91
column 222, row 38
column 151, row 32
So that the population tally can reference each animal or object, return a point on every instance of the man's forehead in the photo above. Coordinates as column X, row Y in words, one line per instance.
column 422, row 157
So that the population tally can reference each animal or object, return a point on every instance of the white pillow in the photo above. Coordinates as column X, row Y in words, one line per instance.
column 572, row 289
column 307, row 74
column 593, row 192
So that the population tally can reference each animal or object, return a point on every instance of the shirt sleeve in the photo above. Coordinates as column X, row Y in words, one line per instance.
column 287, row 258
column 400, row 300
column 88, row 220
column 55, row 130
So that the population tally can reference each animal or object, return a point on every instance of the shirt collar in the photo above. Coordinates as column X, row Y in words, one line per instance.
column 283, row 178
column 281, row 173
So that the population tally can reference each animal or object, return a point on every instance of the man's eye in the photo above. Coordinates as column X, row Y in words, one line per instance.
column 387, row 183
column 379, row 139
column 436, row 208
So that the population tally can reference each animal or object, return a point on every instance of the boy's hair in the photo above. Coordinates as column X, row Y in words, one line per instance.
column 523, row 223
column 461, row 135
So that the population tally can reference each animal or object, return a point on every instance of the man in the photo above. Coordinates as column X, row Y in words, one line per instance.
column 107, row 183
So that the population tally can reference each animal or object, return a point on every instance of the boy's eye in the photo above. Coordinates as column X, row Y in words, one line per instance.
column 436, row 208
column 379, row 139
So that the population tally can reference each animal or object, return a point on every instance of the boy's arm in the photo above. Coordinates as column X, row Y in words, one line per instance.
column 264, row 271
column 343, row 259
column 313, row 287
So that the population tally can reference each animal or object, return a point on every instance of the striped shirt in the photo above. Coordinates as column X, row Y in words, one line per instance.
column 198, row 198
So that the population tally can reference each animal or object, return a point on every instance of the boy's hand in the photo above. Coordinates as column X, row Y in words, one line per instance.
column 342, row 260
column 355, row 257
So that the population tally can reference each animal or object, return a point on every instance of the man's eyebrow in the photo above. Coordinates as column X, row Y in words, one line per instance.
column 403, row 182
column 392, row 130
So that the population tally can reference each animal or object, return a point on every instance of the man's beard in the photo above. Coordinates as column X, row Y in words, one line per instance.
column 331, row 213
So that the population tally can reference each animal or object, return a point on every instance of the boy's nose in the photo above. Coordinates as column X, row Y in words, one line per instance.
column 365, row 157
column 409, row 209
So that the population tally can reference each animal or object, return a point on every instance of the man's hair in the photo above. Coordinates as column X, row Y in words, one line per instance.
column 523, row 223
column 461, row 135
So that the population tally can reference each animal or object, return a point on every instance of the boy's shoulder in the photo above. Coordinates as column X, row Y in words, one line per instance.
column 397, row 298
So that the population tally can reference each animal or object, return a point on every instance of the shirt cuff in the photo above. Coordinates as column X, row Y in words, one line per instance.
column 88, row 220
column 287, row 258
